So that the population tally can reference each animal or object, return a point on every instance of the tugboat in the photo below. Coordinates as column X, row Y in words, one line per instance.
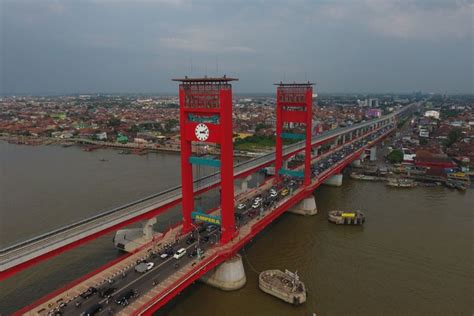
column 346, row 217
column 283, row 285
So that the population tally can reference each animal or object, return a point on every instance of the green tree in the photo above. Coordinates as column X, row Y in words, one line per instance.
column 395, row 156
column 454, row 135
column 113, row 122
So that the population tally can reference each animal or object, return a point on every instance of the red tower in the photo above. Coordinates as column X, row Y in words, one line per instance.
column 206, row 116
column 294, row 105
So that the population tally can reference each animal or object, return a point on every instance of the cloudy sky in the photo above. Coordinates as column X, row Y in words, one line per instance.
column 81, row 46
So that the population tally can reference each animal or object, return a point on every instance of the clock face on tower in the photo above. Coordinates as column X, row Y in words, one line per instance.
column 202, row 132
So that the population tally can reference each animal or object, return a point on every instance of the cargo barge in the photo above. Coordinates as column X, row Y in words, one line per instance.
column 346, row 217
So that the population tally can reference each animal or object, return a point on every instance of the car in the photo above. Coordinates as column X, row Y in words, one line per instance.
column 123, row 298
column 273, row 194
column 241, row 206
column 190, row 240
column 284, row 192
column 211, row 228
column 89, row 292
column 258, row 198
column 93, row 310
column 164, row 255
column 256, row 204
column 181, row 252
column 107, row 292
column 144, row 267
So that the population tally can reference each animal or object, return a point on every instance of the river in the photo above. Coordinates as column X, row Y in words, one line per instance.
column 414, row 255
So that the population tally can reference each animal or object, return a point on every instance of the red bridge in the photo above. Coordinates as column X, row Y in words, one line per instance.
column 206, row 242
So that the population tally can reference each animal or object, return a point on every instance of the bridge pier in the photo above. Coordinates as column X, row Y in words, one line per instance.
column 130, row 239
column 356, row 163
column 306, row 206
column 228, row 276
column 334, row 180
column 373, row 153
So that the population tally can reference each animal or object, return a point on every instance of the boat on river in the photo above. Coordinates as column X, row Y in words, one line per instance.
column 346, row 217
column 401, row 183
column 283, row 285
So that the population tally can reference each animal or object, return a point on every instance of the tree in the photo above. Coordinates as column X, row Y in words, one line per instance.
column 395, row 156
column 454, row 135
column 113, row 122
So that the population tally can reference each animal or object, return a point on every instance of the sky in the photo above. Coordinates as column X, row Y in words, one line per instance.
column 120, row 46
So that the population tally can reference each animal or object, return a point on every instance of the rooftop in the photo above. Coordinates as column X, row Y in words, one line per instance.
column 205, row 79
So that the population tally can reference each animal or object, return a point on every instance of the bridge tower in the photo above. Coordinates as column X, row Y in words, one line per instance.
column 294, row 106
column 206, row 116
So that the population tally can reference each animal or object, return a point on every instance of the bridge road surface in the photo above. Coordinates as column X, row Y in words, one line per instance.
column 21, row 255
column 164, row 269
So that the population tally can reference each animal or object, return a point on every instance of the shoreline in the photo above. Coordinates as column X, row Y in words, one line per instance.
column 91, row 145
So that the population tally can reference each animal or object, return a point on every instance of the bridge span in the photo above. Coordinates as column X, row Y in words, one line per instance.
column 167, row 279
column 17, row 257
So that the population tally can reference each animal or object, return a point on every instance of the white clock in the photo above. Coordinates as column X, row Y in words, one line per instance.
column 202, row 132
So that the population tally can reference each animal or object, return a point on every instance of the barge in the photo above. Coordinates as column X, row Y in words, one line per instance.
column 283, row 285
column 346, row 217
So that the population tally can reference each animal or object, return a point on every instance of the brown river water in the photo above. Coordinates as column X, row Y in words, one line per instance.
column 414, row 255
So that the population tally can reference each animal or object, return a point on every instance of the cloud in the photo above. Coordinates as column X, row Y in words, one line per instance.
column 202, row 40
column 407, row 19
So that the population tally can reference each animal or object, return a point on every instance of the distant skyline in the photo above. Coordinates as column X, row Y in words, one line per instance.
column 348, row 46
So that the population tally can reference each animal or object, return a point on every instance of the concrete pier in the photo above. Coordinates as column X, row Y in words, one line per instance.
column 305, row 207
column 228, row 276
column 373, row 154
column 132, row 238
column 335, row 180
column 356, row 163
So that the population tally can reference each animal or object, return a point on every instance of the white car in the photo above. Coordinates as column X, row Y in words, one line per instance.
column 164, row 256
column 149, row 266
column 256, row 204
column 181, row 252
column 241, row 206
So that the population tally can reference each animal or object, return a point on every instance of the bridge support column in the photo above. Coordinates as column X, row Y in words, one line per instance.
column 373, row 153
column 305, row 207
column 335, row 180
column 130, row 239
column 356, row 163
column 228, row 276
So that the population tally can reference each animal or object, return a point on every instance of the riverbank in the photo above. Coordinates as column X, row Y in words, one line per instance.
column 91, row 145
